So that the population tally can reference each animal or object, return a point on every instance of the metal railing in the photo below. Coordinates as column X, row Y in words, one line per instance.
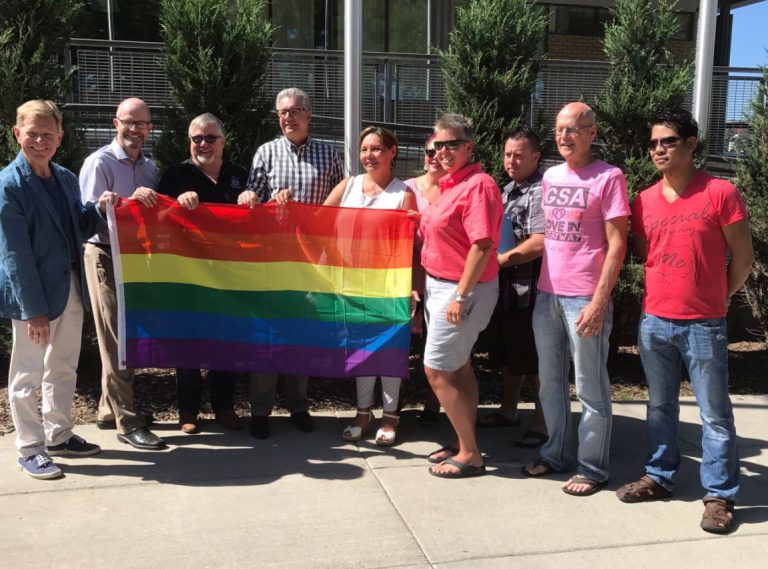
column 405, row 91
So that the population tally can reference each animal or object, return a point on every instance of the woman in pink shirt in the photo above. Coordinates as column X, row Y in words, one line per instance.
column 461, row 232
column 426, row 188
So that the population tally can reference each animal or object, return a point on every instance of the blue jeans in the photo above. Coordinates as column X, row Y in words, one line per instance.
column 665, row 344
column 555, row 332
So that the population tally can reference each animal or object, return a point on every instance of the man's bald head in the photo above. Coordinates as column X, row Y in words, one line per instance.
column 133, row 105
column 579, row 112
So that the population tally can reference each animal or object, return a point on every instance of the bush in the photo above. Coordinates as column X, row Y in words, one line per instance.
column 643, row 78
column 491, row 67
column 752, row 179
column 216, row 57
column 33, row 34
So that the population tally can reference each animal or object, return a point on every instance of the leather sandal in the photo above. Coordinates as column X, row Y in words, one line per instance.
column 387, row 438
column 353, row 433
column 643, row 490
column 718, row 515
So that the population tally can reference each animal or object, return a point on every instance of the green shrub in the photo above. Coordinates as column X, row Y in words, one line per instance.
column 752, row 180
column 491, row 67
column 216, row 57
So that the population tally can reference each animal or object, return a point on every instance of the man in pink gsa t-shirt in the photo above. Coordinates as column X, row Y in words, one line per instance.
column 586, row 214
column 683, row 226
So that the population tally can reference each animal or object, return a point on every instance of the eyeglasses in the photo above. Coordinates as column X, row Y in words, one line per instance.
column 666, row 142
column 294, row 112
column 570, row 130
column 209, row 138
column 449, row 144
column 430, row 152
column 141, row 125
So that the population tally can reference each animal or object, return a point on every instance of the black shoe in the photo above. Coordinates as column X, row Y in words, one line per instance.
column 303, row 422
column 260, row 427
column 112, row 425
column 142, row 438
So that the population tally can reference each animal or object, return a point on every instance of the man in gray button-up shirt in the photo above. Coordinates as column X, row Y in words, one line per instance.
column 294, row 167
column 119, row 167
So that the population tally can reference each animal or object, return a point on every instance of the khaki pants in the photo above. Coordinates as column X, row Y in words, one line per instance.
column 52, row 369
column 116, row 401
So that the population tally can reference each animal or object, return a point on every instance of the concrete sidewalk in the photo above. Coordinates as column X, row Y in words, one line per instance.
column 227, row 500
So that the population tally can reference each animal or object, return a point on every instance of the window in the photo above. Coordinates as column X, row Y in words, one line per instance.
column 578, row 20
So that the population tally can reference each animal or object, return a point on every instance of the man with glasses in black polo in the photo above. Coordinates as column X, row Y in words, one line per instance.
column 119, row 167
column 293, row 167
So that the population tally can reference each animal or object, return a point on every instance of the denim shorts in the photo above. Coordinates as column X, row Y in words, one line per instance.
column 449, row 345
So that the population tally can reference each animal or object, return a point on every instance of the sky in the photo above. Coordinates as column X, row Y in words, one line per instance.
column 749, row 37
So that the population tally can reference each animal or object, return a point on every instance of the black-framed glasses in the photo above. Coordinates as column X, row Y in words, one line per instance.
column 666, row 142
column 141, row 125
column 570, row 130
column 449, row 144
column 209, row 138
column 430, row 152
column 293, row 111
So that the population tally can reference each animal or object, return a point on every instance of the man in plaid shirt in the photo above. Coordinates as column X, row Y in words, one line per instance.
column 293, row 167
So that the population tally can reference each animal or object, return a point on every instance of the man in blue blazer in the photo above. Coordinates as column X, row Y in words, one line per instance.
column 42, row 227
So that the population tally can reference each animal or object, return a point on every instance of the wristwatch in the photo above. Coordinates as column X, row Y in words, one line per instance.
column 460, row 298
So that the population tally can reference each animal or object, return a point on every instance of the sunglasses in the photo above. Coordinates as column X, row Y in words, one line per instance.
column 209, row 138
column 666, row 142
column 430, row 152
column 449, row 144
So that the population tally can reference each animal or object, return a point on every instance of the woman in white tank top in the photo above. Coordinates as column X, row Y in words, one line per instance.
column 378, row 188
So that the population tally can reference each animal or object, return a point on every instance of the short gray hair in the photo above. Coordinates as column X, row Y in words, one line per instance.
column 202, row 121
column 459, row 124
column 295, row 93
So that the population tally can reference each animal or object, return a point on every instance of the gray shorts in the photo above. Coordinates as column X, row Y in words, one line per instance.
column 449, row 345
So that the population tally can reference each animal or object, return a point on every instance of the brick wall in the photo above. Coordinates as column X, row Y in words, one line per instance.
column 590, row 48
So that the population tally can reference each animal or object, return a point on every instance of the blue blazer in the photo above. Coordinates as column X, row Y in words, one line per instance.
column 34, row 252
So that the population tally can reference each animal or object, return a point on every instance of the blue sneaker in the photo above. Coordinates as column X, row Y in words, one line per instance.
column 75, row 446
column 40, row 466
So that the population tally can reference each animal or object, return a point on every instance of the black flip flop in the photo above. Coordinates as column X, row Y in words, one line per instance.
column 535, row 439
column 594, row 485
column 447, row 448
column 464, row 470
column 495, row 420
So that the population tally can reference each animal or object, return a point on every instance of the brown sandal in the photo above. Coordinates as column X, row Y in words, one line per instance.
column 718, row 515
column 643, row 490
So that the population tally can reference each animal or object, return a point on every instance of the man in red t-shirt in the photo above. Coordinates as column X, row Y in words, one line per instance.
column 684, row 225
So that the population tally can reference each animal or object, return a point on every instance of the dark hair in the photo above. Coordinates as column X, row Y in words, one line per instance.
column 388, row 138
column 430, row 138
column 679, row 120
column 527, row 134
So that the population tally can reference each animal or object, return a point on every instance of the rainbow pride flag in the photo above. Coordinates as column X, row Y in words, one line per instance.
column 296, row 289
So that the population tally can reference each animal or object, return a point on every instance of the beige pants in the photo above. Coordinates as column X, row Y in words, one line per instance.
column 52, row 369
column 116, row 401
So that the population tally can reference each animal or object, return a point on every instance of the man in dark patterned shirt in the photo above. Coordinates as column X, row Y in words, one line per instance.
column 293, row 167
column 509, row 336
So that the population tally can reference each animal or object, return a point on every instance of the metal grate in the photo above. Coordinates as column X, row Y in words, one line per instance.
column 403, row 91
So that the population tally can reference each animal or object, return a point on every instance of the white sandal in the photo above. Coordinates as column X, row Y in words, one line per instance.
column 387, row 438
column 353, row 433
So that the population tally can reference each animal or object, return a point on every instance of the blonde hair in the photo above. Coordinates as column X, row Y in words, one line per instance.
column 38, row 108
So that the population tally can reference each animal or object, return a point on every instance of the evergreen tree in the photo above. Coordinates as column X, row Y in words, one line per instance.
column 33, row 34
column 752, row 180
column 490, row 69
column 643, row 78
column 216, row 56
